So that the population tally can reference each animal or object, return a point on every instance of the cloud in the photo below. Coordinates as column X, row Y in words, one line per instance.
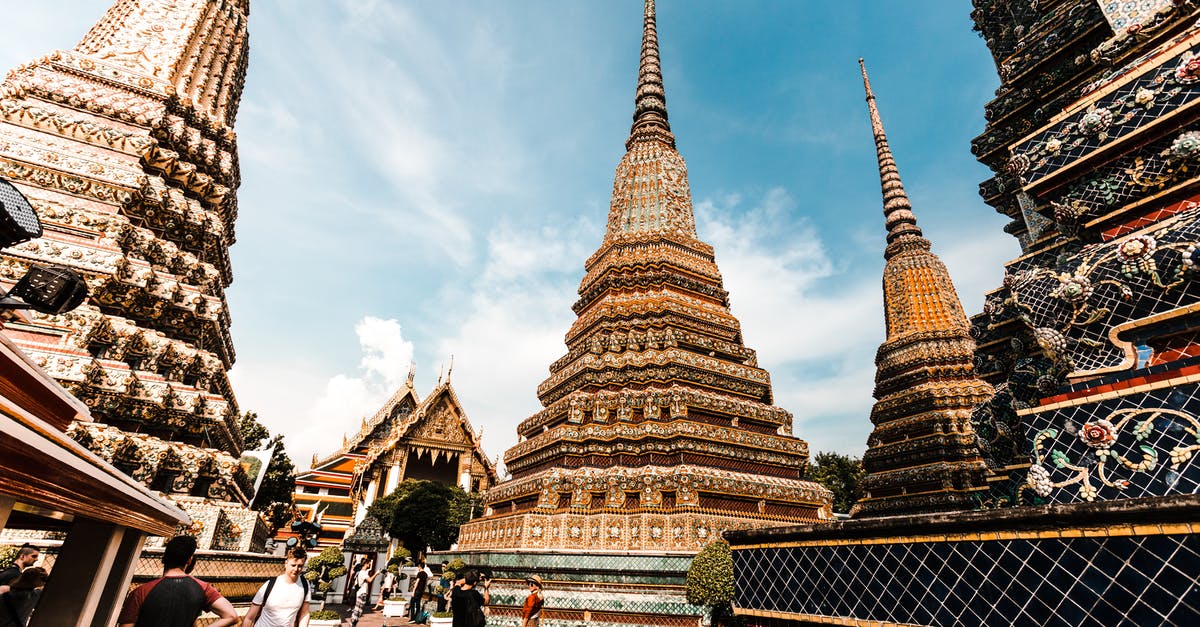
column 345, row 399
column 512, row 328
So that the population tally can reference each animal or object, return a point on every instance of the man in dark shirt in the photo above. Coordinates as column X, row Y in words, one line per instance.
column 27, row 556
column 176, row 599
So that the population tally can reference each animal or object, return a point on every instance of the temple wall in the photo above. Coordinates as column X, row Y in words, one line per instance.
column 1130, row 562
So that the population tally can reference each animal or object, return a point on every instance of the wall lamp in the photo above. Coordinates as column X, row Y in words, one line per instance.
column 48, row 289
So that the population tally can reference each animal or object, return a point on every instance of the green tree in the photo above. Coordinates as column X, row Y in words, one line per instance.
column 710, row 580
column 423, row 513
column 276, row 494
column 841, row 474
column 324, row 569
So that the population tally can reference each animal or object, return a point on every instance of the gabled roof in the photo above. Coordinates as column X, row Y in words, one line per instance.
column 429, row 426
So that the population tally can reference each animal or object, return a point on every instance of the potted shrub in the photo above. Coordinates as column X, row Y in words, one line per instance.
column 710, row 581
column 324, row 618
column 322, row 570
column 439, row 618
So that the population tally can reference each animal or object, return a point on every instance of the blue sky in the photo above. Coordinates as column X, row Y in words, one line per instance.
column 421, row 179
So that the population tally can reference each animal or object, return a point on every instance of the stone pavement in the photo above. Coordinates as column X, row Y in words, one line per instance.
column 370, row 619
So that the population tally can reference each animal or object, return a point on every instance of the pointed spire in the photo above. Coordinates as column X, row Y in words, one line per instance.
column 650, row 103
column 897, row 210
column 450, row 371
column 412, row 373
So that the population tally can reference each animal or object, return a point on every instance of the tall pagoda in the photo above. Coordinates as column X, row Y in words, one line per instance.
column 922, row 455
column 125, row 147
column 657, row 431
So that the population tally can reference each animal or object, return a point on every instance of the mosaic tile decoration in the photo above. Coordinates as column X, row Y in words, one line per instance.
column 1122, row 14
column 614, row 589
column 1142, row 444
column 1051, row 582
column 1169, row 85
column 1073, row 306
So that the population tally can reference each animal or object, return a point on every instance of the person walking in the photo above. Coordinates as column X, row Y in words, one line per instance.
column 17, row 604
column 467, row 602
column 27, row 556
column 365, row 577
column 282, row 601
column 531, row 613
column 177, row 598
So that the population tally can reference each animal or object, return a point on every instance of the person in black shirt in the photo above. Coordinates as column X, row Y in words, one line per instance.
column 466, row 602
column 27, row 556
column 17, row 604
column 176, row 599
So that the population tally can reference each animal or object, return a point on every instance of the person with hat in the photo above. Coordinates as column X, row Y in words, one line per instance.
column 531, row 614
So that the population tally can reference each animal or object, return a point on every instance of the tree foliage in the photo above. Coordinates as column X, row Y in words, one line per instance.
column 276, row 494
column 841, row 474
column 325, row 568
column 710, row 577
column 423, row 514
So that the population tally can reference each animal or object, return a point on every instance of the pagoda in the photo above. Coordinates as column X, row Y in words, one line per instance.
column 922, row 454
column 657, row 431
column 1092, row 344
column 125, row 147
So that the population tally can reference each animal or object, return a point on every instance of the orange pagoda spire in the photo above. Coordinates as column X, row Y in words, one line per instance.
column 922, row 454
column 657, row 431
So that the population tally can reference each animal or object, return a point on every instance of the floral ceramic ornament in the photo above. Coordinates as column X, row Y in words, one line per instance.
column 1096, row 122
column 1186, row 146
column 1137, row 256
column 1188, row 70
column 1098, row 434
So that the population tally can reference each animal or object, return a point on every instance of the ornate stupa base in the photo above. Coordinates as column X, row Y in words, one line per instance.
column 681, row 531
column 592, row 587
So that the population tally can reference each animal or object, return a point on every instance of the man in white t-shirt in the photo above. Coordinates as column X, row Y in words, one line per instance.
column 282, row 601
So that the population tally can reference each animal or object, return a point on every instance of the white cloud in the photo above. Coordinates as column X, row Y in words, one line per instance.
column 517, row 312
column 345, row 399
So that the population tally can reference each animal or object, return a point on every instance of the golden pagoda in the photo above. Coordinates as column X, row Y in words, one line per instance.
column 125, row 147
column 922, row 455
column 658, row 430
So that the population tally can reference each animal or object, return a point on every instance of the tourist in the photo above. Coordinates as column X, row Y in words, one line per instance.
column 282, row 601
column 444, row 582
column 176, row 599
column 363, row 596
column 386, row 588
column 27, row 556
column 531, row 613
column 17, row 604
column 466, row 602
column 420, row 583
column 351, row 591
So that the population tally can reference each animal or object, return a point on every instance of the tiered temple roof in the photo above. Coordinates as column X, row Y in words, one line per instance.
column 922, row 454
column 124, row 145
column 657, row 430
column 406, row 438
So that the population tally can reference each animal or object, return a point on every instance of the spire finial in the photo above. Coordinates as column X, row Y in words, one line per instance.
column 897, row 210
column 650, row 103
